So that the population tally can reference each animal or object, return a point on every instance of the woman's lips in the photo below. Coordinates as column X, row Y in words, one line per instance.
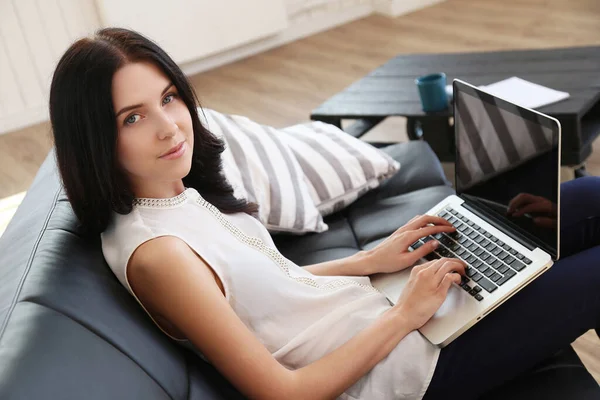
column 179, row 151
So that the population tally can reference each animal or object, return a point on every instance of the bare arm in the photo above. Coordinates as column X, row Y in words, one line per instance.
column 391, row 255
column 354, row 265
column 173, row 282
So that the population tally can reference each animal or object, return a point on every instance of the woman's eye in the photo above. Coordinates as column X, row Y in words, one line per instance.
column 168, row 96
column 131, row 119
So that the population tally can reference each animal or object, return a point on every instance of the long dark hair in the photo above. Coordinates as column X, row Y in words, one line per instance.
column 85, row 129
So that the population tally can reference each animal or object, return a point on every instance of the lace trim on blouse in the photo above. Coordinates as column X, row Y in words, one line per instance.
column 162, row 203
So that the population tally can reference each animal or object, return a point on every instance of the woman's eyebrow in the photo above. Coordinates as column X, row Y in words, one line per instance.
column 125, row 109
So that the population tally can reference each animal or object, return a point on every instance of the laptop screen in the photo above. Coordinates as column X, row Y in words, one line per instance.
column 507, row 164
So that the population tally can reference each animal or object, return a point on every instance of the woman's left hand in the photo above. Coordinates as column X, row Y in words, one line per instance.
column 393, row 255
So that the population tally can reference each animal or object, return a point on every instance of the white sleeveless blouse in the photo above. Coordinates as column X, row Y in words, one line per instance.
column 299, row 317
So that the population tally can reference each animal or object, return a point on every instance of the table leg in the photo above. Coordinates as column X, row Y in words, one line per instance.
column 362, row 126
column 580, row 172
column 437, row 132
column 414, row 130
column 329, row 120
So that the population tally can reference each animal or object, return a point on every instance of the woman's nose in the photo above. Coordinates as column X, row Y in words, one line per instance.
column 167, row 126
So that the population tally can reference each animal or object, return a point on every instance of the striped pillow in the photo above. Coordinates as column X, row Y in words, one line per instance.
column 261, row 168
column 339, row 168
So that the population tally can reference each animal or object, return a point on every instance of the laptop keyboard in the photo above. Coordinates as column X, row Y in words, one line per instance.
column 490, row 262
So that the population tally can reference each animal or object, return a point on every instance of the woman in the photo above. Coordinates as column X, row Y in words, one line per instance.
column 140, row 169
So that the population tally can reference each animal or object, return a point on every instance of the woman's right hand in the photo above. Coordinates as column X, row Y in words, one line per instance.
column 427, row 289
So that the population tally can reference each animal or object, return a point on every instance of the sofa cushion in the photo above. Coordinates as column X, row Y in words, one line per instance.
column 420, row 169
column 359, row 227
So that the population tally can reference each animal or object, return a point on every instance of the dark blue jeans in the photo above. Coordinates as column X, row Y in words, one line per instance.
column 542, row 318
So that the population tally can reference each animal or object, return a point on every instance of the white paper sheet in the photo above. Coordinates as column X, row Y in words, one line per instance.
column 525, row 93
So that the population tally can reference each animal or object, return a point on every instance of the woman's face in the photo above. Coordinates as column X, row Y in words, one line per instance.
column 152, row 122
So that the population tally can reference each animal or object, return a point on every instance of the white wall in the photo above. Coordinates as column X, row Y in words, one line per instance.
column 35, row 33
column 395, row 8
column 190, row 29
column 33, row 36
column 306, row 17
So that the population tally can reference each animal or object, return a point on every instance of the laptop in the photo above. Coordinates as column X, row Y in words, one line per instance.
column 506, row 209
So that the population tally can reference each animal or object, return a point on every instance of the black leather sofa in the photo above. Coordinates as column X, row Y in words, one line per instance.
column 69, row 330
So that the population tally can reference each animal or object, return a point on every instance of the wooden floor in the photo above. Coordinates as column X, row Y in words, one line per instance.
column 281, row 87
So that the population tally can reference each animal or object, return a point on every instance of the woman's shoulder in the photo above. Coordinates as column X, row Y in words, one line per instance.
column 124, row 233
column 124, row 226
column 157, row 248
column 143, row 221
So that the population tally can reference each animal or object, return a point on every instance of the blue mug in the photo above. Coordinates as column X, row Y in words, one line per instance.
column 432, row 90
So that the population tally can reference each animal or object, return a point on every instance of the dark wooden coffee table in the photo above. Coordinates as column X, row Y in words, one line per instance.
column 390, row 91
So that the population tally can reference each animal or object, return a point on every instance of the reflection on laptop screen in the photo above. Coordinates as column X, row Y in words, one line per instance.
column 507, row 159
